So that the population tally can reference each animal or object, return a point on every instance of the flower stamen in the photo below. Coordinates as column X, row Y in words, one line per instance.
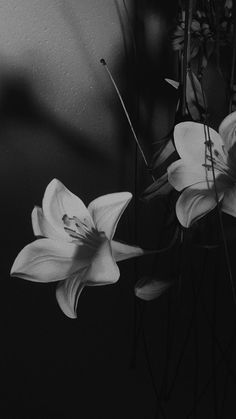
column 80, row 230
column 220, row 165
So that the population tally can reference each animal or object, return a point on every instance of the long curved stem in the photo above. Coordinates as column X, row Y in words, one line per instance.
column 103, row 62
column 186, row 51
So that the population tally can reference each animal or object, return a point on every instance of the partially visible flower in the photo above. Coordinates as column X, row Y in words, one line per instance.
column 195, row 102
column 78, row 249
column 200, row 149
column 149, row 288
column 201, row 35
column 158, row 188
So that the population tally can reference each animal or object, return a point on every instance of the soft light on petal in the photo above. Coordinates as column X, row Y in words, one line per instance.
column 149, row 288
column 46, row 260
column 41, row 226
column 107, row 210
column 122, row 251
column 103, row 269
column 159, row 187
column 190, row 138
column 68, row 292
column 173, row 83
column 229, row 202
column 181, row 174
column 166, row 150
column 58, row 201
column 195, row 202
column 227, row 130
column 194, row 96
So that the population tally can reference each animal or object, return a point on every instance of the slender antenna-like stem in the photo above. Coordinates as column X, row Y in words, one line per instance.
column 126, row 113
column 186, row 51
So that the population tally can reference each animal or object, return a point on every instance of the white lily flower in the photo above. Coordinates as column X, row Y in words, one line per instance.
column 78, row 247
column 193, row 172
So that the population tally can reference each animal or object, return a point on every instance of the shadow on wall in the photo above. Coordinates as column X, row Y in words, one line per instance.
column 35, row 147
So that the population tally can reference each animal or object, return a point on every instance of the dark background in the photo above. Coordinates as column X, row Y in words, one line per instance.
column 93, row 367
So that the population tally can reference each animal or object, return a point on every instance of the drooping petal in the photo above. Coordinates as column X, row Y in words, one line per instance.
column 41, row 226
column 194, row 96
column 148, row 288
column 68, row 292
column 46, row 260
column 227, row 130
column 107, row 210
column 159, row 187
column 229, row 201
column 122, row 251
column 182, row 174
column 166, row 150
column 173, row 83
column 190, row 138
column 195, row 202
column 58, row 201
column 103, row 269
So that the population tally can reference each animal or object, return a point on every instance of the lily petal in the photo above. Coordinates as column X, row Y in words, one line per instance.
column 173, row 83
column 58, row 201
column 41, row 226
column 159, row 187
column 195, row 202
column 182, row 174
column 227, row 130
column 68, row 292
column 47, row 260
column 150, row 288
column 190, row 139
column 107, row 210
column 103, row 269
column 229, row 202
column 122, row 251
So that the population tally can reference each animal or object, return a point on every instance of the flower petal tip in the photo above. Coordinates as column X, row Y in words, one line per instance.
column 63, row 304
column 148, row 288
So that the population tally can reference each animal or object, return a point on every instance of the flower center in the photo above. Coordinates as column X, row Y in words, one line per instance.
column 219, row 162
column 81, row 230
